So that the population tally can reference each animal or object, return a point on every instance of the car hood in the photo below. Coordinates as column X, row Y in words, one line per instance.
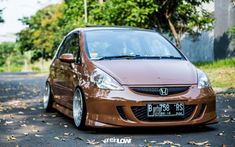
column 149, row 72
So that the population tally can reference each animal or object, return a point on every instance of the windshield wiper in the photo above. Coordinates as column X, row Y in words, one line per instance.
column 118, row 57
column 170, row 57
column 138, row 57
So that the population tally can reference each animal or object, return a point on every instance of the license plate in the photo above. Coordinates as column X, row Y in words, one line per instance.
column 165, row 109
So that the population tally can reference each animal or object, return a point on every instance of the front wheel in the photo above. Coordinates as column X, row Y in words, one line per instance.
column 47, row 98
column 79, row 109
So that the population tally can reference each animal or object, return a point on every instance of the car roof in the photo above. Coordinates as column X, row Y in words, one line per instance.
column 94, row 28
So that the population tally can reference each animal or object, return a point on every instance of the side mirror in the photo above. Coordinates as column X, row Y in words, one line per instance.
column 68, row 58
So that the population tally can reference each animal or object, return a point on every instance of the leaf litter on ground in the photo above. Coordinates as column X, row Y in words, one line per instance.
column 33, row 109
column 203, row 143
column 23, row 125
column 165, row 142
column 78, row 138
column 37, row 135
column 12, row 137
column 20, row 112
column 57, row 138
column 221, row 133
column 168, row 142
column 92, row 142
column 66, row 134
column 8, row 122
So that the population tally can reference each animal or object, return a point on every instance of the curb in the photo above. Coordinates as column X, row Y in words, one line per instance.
column 224, row 90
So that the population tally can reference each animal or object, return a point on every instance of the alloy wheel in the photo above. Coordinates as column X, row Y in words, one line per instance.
column 46, row 96
column 77, row 108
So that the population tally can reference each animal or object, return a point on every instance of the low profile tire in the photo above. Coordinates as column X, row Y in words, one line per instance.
column 79, row 109
column 47, row 98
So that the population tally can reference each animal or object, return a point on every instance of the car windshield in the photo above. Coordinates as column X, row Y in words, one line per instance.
column 129, row 44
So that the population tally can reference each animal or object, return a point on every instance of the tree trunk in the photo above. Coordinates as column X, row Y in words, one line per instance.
column 174, row 32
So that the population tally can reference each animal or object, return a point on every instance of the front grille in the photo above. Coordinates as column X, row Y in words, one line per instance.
column 155, row 90
column 140, row 113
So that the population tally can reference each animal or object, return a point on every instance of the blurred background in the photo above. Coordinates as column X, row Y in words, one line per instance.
column 31, row 30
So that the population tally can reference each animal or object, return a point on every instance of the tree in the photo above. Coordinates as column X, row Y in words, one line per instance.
column 42, row 35
column 176, row 17
column 183, row 16
column 1, row 19
column 47, row 27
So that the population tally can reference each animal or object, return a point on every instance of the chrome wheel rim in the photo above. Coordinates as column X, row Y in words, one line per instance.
column 77, row 107
column 46, row 96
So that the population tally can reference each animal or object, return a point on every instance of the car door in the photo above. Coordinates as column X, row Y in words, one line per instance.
column 60, row 89
column 57, row 73
column 70, row 70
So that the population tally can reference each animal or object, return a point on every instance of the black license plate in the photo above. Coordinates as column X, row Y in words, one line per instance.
column 165, row 109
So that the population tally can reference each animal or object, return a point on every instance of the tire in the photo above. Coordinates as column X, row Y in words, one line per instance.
column 79, row 109
column 48, row 98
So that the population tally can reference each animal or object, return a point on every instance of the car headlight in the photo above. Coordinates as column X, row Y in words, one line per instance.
column 203, row 80
column 104, row 81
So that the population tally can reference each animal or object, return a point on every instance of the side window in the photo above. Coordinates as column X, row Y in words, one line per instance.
column 59, row 52
column 74, row 47
column 71, row 45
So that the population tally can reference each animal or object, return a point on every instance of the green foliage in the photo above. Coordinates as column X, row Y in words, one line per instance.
column 176, row 17
column 232, row 32
column 121, row 12
column 190, row 17
column 43, row 34
column 232, row 35
column 1, row 19
column 6, row 49
column 12, row 68
column 48, row 26
column 10, row 57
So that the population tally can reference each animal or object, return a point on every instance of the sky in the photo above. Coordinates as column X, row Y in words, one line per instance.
column 16, row 9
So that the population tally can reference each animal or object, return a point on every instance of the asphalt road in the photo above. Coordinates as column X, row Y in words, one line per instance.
column 23, row 122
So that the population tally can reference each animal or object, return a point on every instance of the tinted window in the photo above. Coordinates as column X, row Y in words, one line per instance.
column 103, row 43
column 71, row 45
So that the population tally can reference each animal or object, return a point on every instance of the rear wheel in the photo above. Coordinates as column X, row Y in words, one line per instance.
column 47, row 98
column 79, row 109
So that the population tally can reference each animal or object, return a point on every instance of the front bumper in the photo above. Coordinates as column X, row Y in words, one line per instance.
column 115, row 108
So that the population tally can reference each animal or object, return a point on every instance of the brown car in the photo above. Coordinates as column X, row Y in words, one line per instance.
column 127, row 77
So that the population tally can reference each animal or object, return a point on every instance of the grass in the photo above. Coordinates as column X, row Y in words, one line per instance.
column 12, row 68
column 221, row 72
column 34, row 67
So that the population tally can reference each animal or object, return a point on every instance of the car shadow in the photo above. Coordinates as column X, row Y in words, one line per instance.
column 154, row 130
